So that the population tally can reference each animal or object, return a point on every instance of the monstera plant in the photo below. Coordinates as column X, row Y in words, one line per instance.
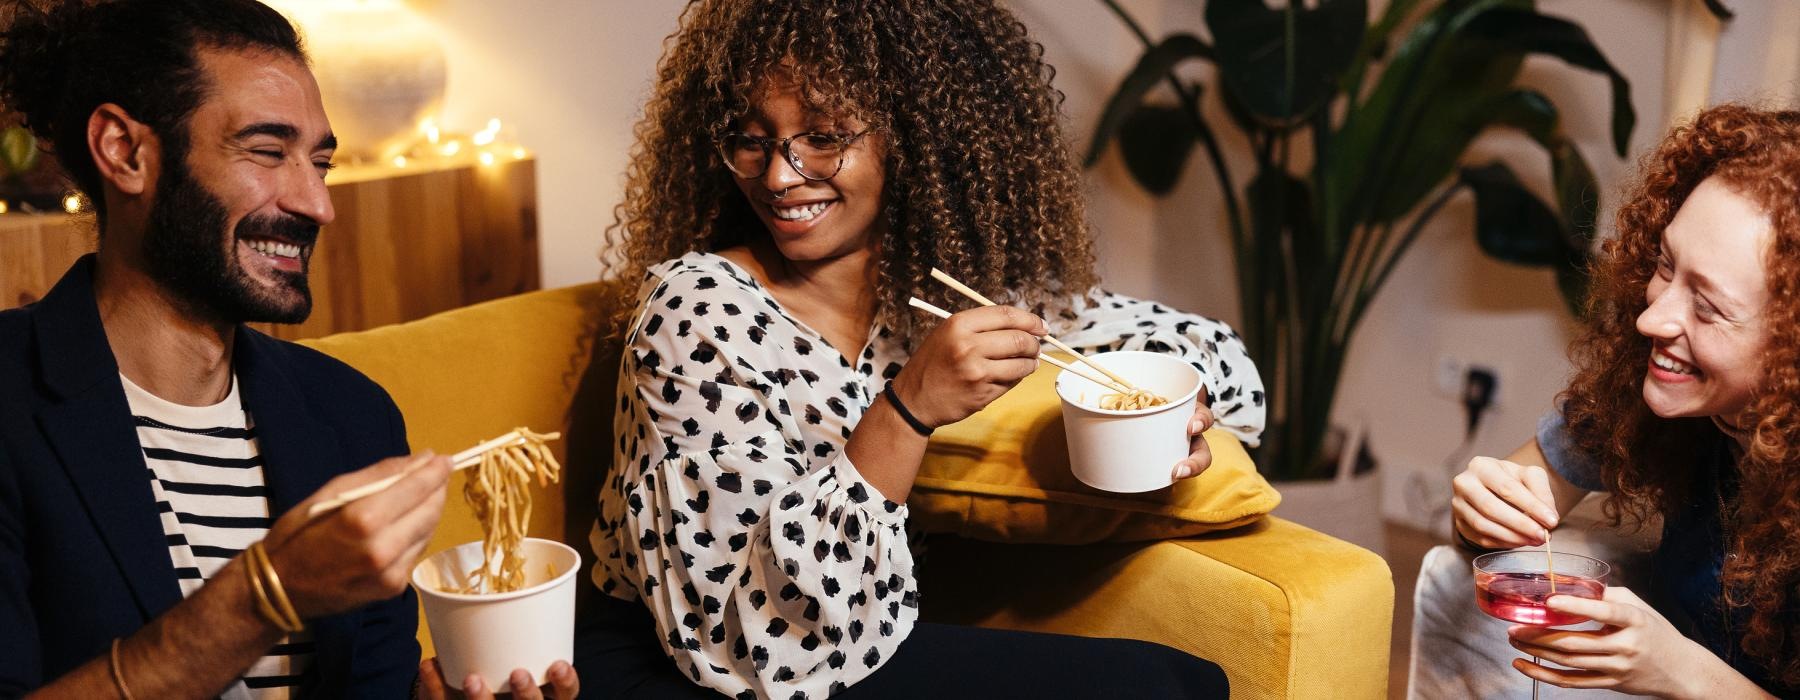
column 1380, row 115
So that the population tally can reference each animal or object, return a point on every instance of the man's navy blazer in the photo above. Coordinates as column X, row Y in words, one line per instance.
column 82, row 553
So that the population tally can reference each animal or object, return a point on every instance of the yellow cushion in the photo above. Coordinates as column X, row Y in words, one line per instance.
column 1003, row 475
column 1287, row 612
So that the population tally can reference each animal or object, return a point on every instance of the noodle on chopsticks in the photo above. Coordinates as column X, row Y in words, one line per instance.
column 499, row 492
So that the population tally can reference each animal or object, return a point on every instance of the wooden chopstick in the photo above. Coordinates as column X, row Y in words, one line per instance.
column 462, row 460
column 927, row 307
column 984, row 301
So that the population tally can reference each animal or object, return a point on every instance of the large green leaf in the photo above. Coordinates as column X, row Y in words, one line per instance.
column 1511, row 223
column 1375, row 43
column 1457, row 111
column 1285, row 63
column 1577, row 192
column 1156, row 142
column 1372, row 147
column 1281, row 205
column 1151, row 67
column 1536, row 33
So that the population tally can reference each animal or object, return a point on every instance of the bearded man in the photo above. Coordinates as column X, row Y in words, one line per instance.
column 157, row 457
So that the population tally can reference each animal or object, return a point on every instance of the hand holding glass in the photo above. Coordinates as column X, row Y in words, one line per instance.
column 1515, row 586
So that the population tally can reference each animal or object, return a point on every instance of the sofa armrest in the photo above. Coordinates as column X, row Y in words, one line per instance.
column 1286, row 611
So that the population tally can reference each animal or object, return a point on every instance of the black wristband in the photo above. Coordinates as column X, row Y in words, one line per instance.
column 894, row 400
column 1468, row 545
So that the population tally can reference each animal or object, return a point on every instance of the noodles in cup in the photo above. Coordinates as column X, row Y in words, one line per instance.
column 1131, row 401
column 500, row 494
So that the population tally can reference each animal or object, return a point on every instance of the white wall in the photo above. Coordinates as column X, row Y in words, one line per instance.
column 568, row 77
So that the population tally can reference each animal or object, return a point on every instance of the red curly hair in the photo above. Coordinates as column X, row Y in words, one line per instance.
column 1653, row 465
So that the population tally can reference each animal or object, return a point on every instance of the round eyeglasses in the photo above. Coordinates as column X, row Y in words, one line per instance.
column 815, row 156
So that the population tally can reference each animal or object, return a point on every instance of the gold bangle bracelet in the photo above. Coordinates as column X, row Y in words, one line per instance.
column 254, row 570
column 263, row 607
column 118, row 674
column 276, row 592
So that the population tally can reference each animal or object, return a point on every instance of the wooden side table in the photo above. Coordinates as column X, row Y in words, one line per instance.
column 407, row 243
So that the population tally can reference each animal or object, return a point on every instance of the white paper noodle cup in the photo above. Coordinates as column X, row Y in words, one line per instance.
column 494, row 633
column 1128, row 451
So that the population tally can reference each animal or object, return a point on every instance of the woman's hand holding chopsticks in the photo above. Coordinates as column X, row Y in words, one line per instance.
column 1199, row 455
column 968, row 361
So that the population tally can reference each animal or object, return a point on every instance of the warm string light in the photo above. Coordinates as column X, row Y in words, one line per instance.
column 436, row 146
column 4, row 208
column 486, row 135
column 72, row 203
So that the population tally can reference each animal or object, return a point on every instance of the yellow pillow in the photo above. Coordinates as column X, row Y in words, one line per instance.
column 1003, row 475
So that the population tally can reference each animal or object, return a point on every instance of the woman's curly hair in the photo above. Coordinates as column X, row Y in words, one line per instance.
column 979, row 180
column 1653, row 465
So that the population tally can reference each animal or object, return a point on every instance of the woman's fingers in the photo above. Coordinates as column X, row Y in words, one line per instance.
column 1007, row 344
column 1482, row 497
column 1566, row 641
column 1606, row 612
column 1566, row 678
column 1604, row 663
column 1506, row 482
column 1482, row 531
column 1537, row 481
column 1203, row 419
column 1196, row 462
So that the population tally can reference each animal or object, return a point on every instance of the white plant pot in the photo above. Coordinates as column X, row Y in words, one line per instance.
column 1347, row 506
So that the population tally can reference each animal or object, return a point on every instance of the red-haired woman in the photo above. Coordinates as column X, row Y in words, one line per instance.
column 1685, row 405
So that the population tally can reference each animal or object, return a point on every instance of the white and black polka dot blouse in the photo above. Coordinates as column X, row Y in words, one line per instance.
column 772, row 568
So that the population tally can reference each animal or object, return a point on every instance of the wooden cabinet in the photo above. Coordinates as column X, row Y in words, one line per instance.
column 407, row 243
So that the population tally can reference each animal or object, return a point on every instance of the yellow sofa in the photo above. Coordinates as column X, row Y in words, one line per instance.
column 1286, row 611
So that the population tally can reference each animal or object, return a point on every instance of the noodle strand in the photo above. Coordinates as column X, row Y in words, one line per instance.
column 499, row 492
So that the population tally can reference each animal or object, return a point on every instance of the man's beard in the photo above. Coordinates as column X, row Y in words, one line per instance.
column 185, row 253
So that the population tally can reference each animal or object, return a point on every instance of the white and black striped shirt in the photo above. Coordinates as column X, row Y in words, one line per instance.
column 206, row 471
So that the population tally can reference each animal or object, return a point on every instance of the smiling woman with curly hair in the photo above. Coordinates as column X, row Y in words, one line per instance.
column 800, row 168
column 1685, row 405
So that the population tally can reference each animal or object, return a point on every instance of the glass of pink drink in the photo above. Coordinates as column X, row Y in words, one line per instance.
column 1514, row 586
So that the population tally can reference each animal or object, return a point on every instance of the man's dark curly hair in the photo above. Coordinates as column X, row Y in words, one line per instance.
column 62, row 59
column 980, row 182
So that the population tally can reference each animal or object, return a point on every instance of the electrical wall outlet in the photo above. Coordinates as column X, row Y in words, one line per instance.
column 1450, row 377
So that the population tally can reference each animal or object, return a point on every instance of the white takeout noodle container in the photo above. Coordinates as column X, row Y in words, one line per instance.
column 1128, row 451
column 494, row 633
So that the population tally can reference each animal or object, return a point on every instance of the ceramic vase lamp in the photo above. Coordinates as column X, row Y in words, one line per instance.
column 380, row 67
